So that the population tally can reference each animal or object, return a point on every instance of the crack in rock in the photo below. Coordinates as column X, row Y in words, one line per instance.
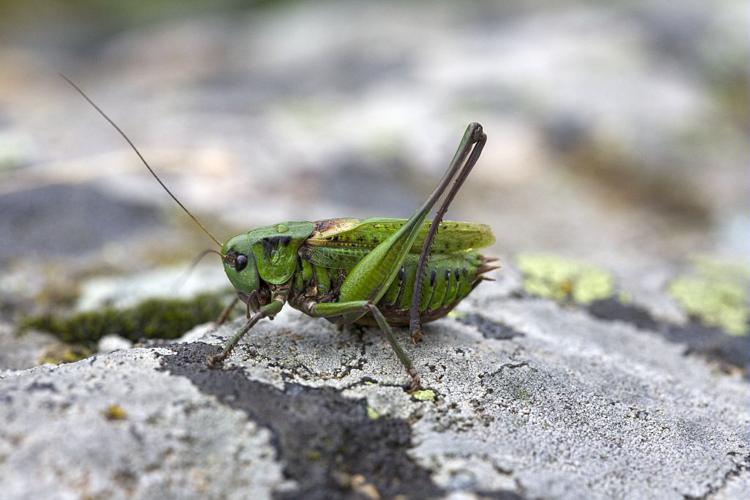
column 704, row 340
column 735, row 471
column 300, row 370
column 364, row 381
column 498, row 495
column 504, row 366
column 327, row 442
column 490, row 329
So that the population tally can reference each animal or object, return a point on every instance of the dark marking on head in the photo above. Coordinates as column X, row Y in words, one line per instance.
column 433, row 276
column 272, row 243
column 268, row 247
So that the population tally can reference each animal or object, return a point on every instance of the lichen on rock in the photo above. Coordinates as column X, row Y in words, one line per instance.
column 564, row 280
column 301, row 409
column 716, row 293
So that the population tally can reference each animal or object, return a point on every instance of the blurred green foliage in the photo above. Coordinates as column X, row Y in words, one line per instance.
column 116, row 15
column 153, row 318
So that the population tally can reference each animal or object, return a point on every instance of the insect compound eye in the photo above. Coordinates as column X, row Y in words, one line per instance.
column 240, row 262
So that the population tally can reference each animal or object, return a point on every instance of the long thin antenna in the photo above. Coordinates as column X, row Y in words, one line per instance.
column 195, row 219
column 197, row 260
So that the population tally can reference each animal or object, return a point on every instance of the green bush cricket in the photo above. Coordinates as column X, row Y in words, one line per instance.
column 379, row 271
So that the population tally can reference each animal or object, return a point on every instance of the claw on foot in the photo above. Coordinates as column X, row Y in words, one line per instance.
column 216, row 361
column 415, row 382
column 416, row 336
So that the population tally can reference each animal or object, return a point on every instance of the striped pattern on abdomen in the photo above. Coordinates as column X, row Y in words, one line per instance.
column 448, row 279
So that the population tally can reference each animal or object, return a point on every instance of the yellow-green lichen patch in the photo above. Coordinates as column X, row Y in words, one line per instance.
column 521, row 394
column 563, row 280
column 716, row 293
column 115, row 412
column 372, row 413
column 154, row 318
column 64, row 353
column 424, row 395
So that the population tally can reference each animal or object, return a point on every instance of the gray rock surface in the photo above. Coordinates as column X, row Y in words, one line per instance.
column 24, row 351
column 568, row 407
column 63, row 436
column 617, row 136
column 110, row 343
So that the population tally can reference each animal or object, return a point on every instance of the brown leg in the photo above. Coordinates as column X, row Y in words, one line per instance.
column 472, row 148
column 334, row 309
column 268, row 310
column 224, row 316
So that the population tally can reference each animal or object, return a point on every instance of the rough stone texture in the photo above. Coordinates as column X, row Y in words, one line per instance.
column 25, row 351
column 59, row 438
column 570, row 406
column 616, row 136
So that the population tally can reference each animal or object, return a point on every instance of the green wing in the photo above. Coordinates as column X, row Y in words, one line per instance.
column 346, row 258
column 366, row 234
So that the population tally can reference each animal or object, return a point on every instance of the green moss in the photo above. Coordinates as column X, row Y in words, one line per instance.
column 716, row 293
column 424, row 395
column 153, row 318
column 563, row 280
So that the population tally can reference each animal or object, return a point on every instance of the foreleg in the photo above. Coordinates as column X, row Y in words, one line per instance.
column 268, row 310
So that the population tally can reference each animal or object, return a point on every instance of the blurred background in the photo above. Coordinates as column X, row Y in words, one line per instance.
column 617, row 130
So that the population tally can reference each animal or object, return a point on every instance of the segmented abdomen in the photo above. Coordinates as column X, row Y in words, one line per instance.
column 447, row 280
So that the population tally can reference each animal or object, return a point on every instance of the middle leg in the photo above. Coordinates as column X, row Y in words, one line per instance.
column 333, row 309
